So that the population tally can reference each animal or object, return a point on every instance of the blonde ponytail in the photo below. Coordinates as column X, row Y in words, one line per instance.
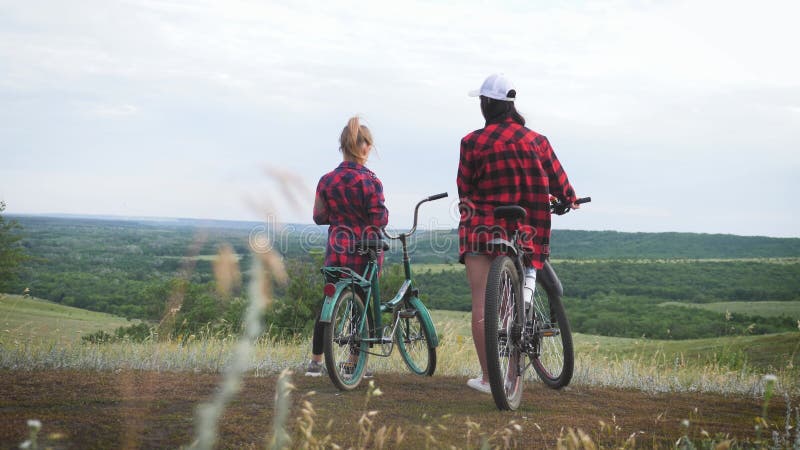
column 354, row 135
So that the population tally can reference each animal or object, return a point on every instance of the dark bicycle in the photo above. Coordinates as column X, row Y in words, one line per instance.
column 539, row 331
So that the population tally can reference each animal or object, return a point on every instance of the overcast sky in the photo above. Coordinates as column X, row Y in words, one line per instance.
column 672, row 115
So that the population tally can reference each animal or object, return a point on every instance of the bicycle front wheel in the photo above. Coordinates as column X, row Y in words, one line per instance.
column 503, row 315
column 413, row 341
column 345, row 344
column 552, row 357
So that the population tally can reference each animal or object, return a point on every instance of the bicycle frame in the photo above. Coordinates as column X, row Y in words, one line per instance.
column 546, row 275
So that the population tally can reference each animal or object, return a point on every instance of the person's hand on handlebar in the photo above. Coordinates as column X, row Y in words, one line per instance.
column 561, row 208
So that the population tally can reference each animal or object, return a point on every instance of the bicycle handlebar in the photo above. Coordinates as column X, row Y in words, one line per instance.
column 559, row 208
column 437, row 196
column 416, row 211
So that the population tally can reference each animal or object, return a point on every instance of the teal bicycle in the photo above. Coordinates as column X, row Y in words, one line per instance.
column 353, row 316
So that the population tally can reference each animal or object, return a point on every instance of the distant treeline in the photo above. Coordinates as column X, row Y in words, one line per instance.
column 129, row 268
column 696, row 282
column 621, row 298
column 616, row 245
column 173, row 238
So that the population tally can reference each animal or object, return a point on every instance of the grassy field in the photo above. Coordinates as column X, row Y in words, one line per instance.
column 437, row 267
column 763, row 309
column 25, row 318
column 763, row 352
column 40, row 335
column 131, row 395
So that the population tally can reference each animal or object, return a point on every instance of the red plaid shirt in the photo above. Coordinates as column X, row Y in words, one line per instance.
column 508, row 164
column 354, row 208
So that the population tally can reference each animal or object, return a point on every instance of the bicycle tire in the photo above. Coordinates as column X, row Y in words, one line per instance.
column 552, row 357
column 503, row 313
column 413, row 341
column 346, row 350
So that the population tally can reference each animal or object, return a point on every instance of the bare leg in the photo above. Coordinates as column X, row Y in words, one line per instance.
column 477, row 272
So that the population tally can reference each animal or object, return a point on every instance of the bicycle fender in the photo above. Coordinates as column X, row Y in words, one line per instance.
column 504, row 244
column 549, row 279
column 329, row 302
column 427, row 322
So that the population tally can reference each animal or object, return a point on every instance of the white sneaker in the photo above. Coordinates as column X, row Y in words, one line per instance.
column 479, row 385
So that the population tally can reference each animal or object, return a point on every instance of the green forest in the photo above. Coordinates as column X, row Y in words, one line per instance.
column 615, row 284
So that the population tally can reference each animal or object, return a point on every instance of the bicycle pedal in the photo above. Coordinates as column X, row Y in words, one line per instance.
column 407, row 313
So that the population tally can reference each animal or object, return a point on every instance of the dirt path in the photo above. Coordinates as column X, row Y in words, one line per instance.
column 156, row 410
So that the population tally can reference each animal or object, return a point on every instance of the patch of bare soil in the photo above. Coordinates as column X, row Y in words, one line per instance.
column 129, row 410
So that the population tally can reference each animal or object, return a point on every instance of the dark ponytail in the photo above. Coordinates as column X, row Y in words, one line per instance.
column 496, row 111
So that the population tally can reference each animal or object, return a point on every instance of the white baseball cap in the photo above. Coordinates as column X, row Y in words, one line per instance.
column 495, row 86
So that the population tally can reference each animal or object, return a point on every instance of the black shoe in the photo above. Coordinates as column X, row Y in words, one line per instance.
column 315, row 369
column 347, row 369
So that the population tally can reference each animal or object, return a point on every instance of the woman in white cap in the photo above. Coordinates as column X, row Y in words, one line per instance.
column 503, row 163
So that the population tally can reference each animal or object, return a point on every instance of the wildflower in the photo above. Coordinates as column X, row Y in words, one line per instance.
column 35, row 424
column 770, row 378
column 685, row 422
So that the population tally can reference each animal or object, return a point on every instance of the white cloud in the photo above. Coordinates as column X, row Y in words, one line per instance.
column 627, row 91
column 114, row 110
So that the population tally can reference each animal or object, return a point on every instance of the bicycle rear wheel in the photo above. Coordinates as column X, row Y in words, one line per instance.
column 552, row 356
column 503, row 315
column 413, row 342
column 345, row 344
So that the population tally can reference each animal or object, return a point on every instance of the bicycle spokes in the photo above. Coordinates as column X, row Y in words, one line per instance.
column 508, row 336
column 345, row 344
column 414, row 344
column 551, row 349
column 503, row 331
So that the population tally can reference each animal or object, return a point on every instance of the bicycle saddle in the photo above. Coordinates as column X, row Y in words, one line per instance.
column 373, row 244
column 510, row 212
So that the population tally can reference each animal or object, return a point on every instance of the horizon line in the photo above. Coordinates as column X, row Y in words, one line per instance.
column 166, row 219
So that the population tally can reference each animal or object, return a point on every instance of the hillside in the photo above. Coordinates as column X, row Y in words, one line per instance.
column 25, row 318
column 612, row 281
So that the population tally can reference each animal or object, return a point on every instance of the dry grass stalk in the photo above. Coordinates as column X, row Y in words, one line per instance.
column 280, row 438
column 294, row 190
column 175, row 301
column 208, row 414
column 268, row 267
column 574, row 440
column 226, row 271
